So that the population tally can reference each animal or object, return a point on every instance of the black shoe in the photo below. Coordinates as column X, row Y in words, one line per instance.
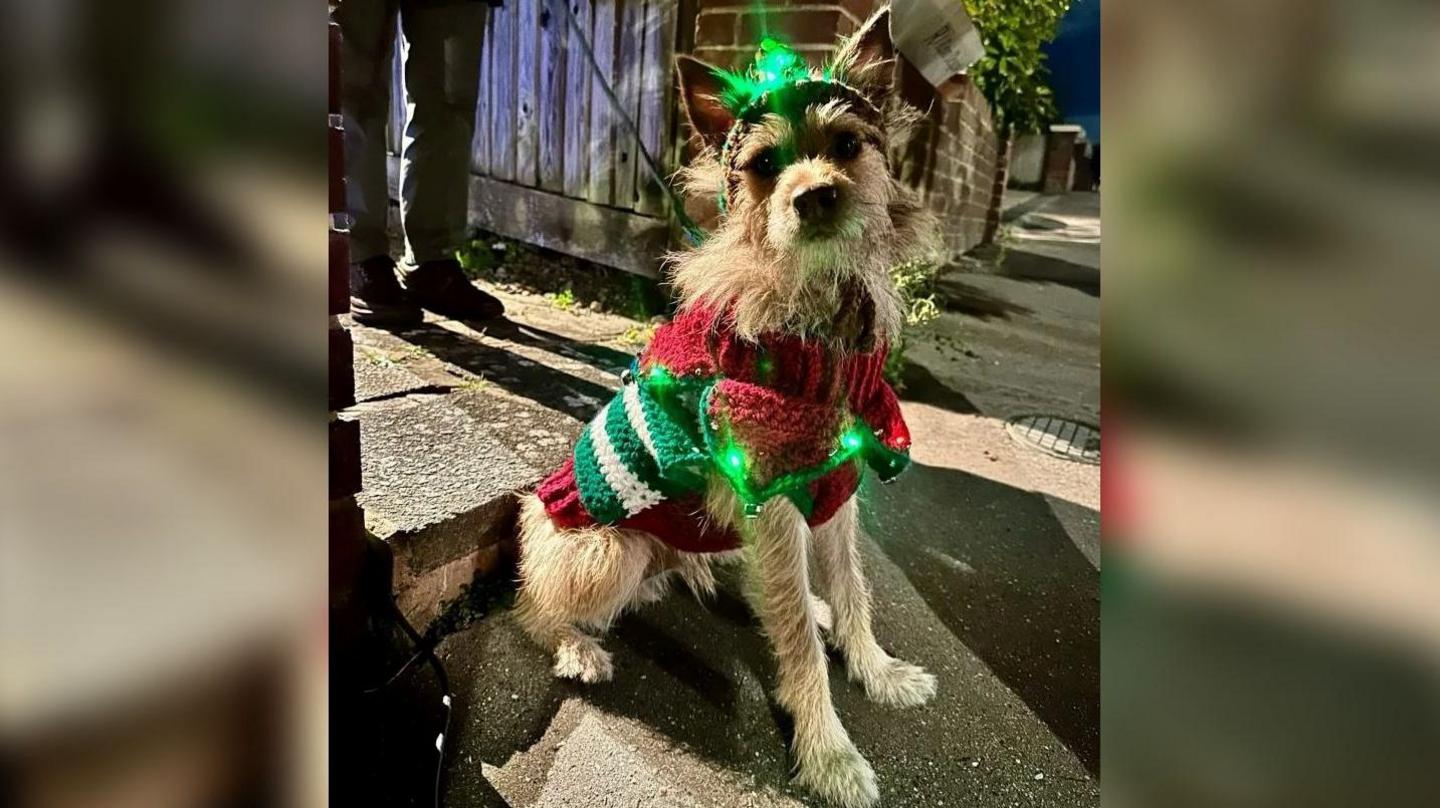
column 442, row 287
column 376, row 297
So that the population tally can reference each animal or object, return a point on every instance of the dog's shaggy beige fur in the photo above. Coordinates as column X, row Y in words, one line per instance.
column 774, row 274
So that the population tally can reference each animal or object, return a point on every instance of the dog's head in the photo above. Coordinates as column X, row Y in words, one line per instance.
column 797, row 160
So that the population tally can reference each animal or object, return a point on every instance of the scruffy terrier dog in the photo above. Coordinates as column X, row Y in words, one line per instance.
column 743, row 429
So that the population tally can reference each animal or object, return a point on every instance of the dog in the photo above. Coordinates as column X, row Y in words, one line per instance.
column 742, row 430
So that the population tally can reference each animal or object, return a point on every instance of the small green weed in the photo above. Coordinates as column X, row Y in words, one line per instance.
column 637, row 335
column 473, row 383
column 377, row 358
column 564, row 300
column 915, row 281
column 481, row 257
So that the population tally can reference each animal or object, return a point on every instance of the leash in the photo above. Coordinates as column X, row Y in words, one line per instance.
column 693, row 232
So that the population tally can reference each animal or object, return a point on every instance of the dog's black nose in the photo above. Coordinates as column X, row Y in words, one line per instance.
column 817, row 203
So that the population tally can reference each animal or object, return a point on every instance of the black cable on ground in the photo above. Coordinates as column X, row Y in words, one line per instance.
column 424, row 648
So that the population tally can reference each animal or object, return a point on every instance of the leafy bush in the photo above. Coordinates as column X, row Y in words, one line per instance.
column 915, row 281
column 1013, row 75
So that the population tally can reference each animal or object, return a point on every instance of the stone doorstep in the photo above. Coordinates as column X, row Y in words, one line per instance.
column 442, row 475
column 426, row 595
column 426, row 581
column 445, row 453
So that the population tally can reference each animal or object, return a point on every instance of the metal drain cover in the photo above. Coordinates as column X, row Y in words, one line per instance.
column 1061, row 437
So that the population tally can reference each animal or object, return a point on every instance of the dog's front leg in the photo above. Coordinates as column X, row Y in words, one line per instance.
column 827, row 761
column 842, row 579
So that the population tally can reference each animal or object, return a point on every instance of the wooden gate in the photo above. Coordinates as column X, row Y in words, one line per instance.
column 553, row 164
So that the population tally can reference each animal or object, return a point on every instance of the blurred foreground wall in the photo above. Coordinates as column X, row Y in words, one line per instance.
column 162, row 464
column 1272, row 586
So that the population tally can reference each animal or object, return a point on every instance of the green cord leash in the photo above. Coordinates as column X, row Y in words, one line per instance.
column 693, row 232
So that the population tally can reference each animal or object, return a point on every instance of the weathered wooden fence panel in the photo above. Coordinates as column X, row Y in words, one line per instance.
column 602, row 131
column 656, row 104
column 503, row 95
column 555, row 36
column 630, row 63
column 527, row 74
column 577, row 107
column 480, row 153
column 544, row 125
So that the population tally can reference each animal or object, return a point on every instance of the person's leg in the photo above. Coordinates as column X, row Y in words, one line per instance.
column 441, row 44
column 366, row 32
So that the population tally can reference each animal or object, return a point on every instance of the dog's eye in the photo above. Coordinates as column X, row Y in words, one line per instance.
column 846, row 146
column 765, row 164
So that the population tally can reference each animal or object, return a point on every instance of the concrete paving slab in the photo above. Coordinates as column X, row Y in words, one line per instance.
column 439, row 486
column 386, row 366
column 597, row 758
column 691, row 706
column 425, row 460
column 455, row 418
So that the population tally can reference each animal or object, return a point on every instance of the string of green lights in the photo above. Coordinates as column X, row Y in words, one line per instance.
column 732, row 461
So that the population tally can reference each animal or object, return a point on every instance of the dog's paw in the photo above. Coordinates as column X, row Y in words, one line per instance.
column 842, row 777
column 824, row 617
column 583, row 659
column 897, row 683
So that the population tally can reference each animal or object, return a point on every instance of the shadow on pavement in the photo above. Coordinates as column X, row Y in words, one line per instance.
column 597, row 356
column 1000, row 571
column 963, row 298
column 551, row 388
column 990, row 561
column 922, row 387
column 681, row 668
column 1024, row 265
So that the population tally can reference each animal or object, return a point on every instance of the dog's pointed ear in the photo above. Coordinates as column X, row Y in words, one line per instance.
column 867, row 59
column 700, row 89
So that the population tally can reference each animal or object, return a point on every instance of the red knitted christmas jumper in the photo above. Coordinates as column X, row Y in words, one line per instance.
column 785, row 397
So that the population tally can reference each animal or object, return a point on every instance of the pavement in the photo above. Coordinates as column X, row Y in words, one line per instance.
column 984, row 558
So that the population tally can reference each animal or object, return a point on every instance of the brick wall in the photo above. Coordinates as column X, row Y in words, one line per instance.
column 953, row 160
column 347, row 521
column 1059, row 159
column 727, row 32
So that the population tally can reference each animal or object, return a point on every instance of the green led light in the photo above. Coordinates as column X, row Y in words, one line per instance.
column 734, row 458
column 776, row 66
column 852, row 439
column 659, row 376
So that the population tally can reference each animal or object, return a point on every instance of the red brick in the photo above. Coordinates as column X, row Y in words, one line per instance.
column 347, row 526
column 336, row 146
column 952, row 115
column 715, row 29
column 334, row 68
column 809, row 27
column 339, row 277
column 344, row 458
column 861, row 9
column 730, row 58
